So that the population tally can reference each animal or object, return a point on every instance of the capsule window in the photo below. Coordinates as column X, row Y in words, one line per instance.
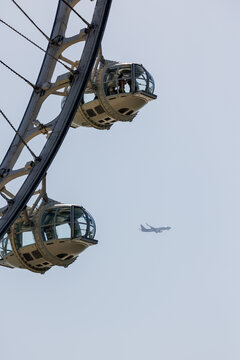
column 84, row 225
column 141, row 79
column 110, row 83
column 150, row 84
column 24, row 235
column 48, row 232
column 118, row 80
column 87, row 97
column 80, row 223
column 66, row 223
column 5, row 246
column 124, row 80
column 56, row 224
column 63, row 223
column 92, row 227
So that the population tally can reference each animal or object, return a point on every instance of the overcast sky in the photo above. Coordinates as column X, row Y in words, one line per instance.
column 171, row 296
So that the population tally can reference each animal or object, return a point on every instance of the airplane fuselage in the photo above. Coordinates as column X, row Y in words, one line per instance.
column 153, row 229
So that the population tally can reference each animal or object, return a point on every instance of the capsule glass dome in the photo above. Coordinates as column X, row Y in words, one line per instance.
column 54, row 235
column 59, row 222
column 116, row 92
column 67, row 222
column 128, row 78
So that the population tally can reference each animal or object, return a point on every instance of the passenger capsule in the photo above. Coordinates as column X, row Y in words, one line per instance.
column 55, row 235
column 116, row 92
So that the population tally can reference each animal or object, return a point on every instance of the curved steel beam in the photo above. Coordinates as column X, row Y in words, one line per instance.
column 79, row 82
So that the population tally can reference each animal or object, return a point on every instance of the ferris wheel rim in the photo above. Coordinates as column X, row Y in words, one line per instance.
column 40, row 165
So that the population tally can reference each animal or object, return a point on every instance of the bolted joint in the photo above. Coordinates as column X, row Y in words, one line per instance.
column 29, row 165
column 46, row 86
column 4, row 172
column 37, row 160
column 58, row 40
column 38, row 90
column 40, row 126
column 87, row 30
column 92, row 26
column 42, row 92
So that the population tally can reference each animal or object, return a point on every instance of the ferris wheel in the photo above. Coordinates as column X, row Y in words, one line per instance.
column 95, row 93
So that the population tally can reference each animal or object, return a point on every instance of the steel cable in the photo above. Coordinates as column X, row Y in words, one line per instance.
column 23, row 141
column 19, row 7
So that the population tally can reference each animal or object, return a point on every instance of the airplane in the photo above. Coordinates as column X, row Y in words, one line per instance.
column 153, row 229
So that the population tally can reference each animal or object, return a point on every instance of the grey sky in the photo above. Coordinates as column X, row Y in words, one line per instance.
column 174, row 295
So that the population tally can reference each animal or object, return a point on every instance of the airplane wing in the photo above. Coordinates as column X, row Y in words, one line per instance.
column 142, row 228
column 150, row 226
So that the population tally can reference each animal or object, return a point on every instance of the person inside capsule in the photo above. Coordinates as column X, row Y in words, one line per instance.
column 128, row 79
column 124, row 80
